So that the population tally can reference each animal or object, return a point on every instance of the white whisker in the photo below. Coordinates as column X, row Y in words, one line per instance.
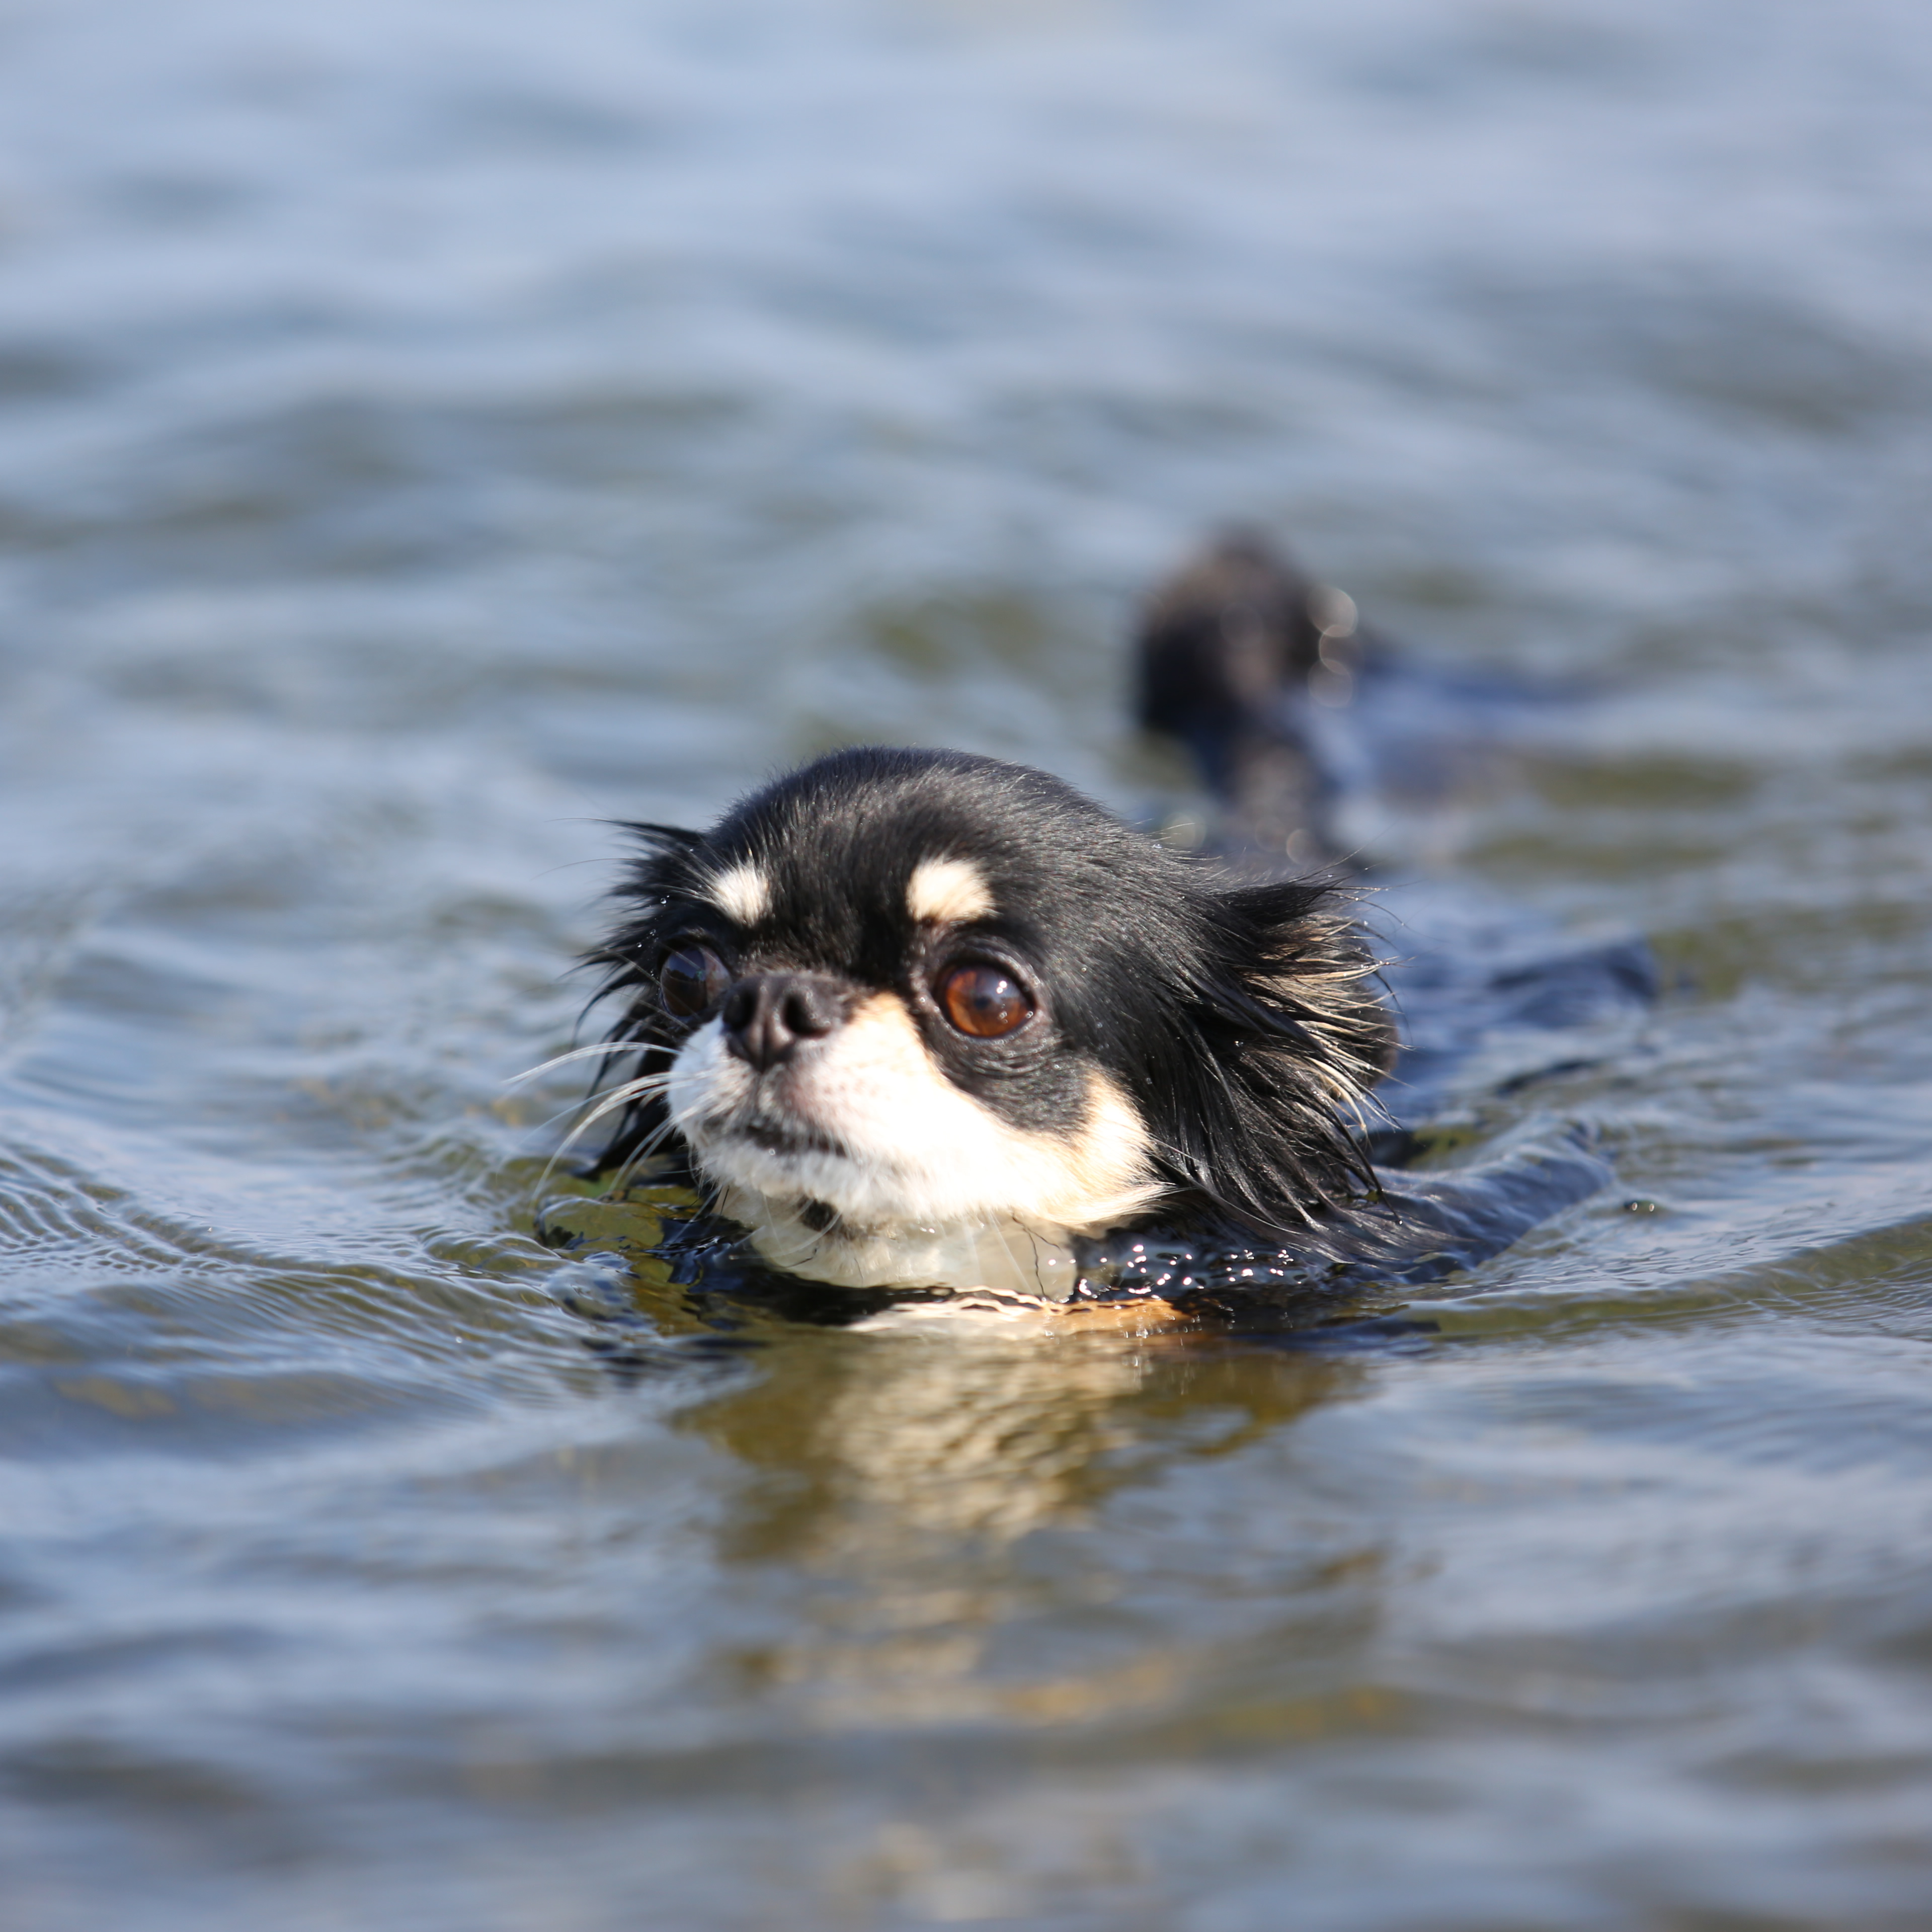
column 657, row 1138
column 1012, row 1260
column 630, row 1089
column 617, row 1097
column 609, row 1049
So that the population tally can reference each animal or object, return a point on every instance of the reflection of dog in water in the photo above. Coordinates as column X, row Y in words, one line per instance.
column 924, row 1019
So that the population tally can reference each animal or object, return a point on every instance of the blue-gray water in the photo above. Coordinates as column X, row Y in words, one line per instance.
column 429, row 429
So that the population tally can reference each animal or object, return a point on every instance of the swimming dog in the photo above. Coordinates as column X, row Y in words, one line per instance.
column 931, row 1020
column 923, row 1018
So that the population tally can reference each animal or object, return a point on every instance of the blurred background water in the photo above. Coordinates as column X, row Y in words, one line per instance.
column 429, row 431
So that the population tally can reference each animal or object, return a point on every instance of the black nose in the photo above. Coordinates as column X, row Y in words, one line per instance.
column 766, row 1016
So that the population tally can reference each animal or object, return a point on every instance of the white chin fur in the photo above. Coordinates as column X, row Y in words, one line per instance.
column 1002, row 1255
column 929, row 1187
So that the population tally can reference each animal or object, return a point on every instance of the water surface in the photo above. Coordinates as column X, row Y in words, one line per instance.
column 431, row 431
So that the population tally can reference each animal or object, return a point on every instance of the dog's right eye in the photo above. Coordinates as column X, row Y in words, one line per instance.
column 692, row 979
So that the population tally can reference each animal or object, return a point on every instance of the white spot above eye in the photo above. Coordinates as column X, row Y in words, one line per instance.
column 742, row 891
column 946, row 892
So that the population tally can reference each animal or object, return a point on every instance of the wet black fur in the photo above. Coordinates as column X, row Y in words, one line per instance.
column 1218, row 1007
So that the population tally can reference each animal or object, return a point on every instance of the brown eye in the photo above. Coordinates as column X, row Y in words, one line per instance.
column 982, row 1001
column 690, row 979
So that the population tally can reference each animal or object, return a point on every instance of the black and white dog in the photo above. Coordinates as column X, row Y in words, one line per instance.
column 918, row 1018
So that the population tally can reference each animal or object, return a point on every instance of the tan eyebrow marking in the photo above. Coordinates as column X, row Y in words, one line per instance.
column 945, row 892
column 741, row 891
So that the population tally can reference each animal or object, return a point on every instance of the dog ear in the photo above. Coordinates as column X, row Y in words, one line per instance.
column 662, row 866
column 1290, row 1033
column 663, row 856
column 1301, row 958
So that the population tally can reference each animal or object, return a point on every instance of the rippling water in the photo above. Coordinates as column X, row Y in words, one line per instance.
column 431, row 430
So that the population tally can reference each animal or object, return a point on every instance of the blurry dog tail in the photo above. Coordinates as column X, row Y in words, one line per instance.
column 1232, row 652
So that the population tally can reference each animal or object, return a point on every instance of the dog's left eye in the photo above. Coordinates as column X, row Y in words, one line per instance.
column 690, row 979
column 984, row 1002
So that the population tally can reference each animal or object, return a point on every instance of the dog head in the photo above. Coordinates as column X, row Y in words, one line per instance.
column 899, row 999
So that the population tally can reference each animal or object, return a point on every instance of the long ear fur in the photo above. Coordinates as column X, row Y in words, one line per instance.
column 628, row 958
column 1255, row 1115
